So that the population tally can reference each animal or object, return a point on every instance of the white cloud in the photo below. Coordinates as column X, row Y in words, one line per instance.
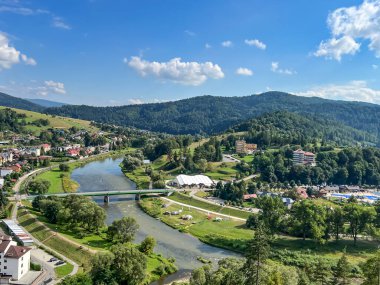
column 227, row 44
column 28, row 60
column 256, row 43
column 375, row 66
column 348, row 26
column 335, row 48
column 275, row 67
column 59, row 23
column 353, row 91
column 51, row 87
column 16, row 7
column 175, row 70
column 9, row 55
column 190, row 33
column 244, row 71
column 208, row 46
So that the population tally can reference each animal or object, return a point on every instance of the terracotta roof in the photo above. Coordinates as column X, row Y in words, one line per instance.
column 4, row 244
column 16, row 251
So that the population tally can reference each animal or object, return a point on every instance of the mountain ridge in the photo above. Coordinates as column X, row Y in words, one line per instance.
column 212, row 114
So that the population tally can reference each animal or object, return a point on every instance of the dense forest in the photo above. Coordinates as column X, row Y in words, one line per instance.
column 10, row 121
column 352, row 165
column 211, row 114
column 282, row 127
column 14, row 102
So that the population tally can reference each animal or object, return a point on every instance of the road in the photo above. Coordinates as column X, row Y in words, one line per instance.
column 38, row 255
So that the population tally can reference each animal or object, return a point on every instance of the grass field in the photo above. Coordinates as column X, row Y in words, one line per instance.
column 230, row 234
column 54, row 122
column 222, row 171
column 233, row 235
column 211, row 207
column 62, row 271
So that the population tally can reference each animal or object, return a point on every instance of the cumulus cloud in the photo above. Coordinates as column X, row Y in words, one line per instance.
column 208, row 46
column 10, row 56
column 176, row 70
column 227, row 44
column 375, row 66
column 275, row 67
column 349, row 26
column 244, row 71
column 256, row 43
column 352, row 91
column 51, row 87
column 336, row 48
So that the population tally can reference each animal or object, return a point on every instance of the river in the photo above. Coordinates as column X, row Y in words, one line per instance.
column 106, row 175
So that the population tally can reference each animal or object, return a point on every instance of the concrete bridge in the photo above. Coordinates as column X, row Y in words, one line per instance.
column 107, row 194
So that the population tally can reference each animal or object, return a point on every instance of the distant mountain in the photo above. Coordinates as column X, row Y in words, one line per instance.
column 14, row 102
column 46, row 103
column 210, row 114
column 282, row 127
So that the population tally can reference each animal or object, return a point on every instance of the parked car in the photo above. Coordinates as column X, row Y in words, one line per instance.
column 53, row 259
column 59, row 263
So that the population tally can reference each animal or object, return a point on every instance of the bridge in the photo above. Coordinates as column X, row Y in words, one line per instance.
column 106, row 194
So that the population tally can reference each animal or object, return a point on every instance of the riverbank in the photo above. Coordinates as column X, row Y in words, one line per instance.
column 61, row 182
column 234, row 236
column 209, row 228
column 81, row 248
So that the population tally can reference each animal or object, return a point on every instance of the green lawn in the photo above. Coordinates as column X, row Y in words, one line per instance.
column 54, row 122
column 230, row 234
column 207, row 206
column 62, row 271
column 222, row 171
column 81, row 255
column 42, row 233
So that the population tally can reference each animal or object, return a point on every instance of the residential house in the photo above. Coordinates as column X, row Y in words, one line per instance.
column 244, row 148
column 46, row 147
column 14, row 260
column 6, row 157
column 5, row 171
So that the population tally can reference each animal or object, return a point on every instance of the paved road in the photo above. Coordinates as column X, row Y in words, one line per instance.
column 204, row 210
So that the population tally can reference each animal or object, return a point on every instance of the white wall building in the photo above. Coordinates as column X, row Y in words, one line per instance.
column 14, row 260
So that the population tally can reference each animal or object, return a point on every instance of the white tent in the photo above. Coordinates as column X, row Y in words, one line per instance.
column 187, row 180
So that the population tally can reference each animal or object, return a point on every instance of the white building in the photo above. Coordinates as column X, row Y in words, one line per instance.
column 6, row 157
column 14, row 260
column 196, row 180
column 301, row 157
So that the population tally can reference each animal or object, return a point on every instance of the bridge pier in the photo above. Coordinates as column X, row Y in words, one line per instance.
column 106, row 199
column 137, row 197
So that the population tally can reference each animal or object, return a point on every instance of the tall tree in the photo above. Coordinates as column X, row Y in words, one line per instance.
column 341, row 271
column 258, row 250
column 359, row 218
column 371, row 270
column 122, row 230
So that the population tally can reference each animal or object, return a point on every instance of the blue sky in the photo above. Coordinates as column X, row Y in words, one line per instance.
column 104, row 52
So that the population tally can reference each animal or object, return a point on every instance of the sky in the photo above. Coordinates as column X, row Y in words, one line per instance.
column 117, row 52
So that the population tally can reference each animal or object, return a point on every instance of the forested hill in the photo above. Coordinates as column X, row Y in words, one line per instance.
column 210, row 114
column 14, row 102
column 282, row 127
